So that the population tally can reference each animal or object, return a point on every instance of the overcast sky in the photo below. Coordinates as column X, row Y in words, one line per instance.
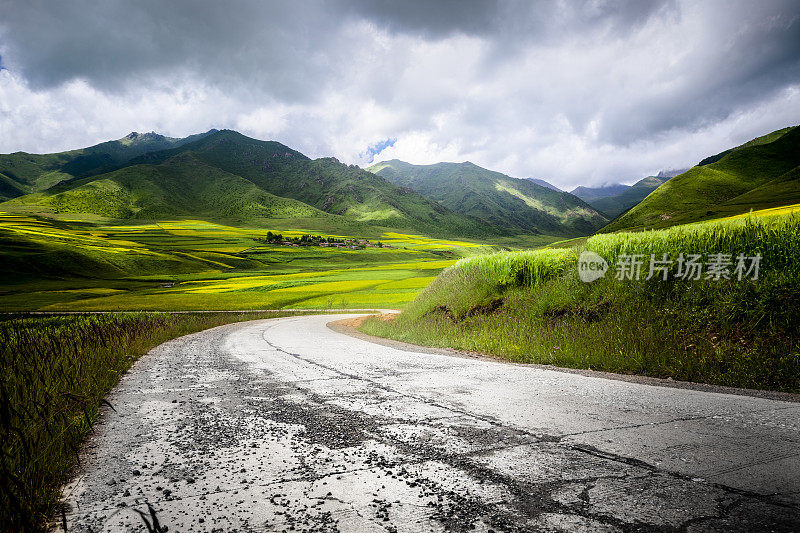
column 575, row 92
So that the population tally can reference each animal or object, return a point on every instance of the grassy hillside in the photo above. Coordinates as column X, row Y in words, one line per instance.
column 764, row 139
column 613, row 206
column 325, row 184
column 760, row 174
column 516, row 205
column 532, row 307
column 23, row 173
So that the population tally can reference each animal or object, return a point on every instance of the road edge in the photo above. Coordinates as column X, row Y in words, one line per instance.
column 341, row 326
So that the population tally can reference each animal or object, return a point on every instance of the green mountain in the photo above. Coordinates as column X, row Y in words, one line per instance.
column 759, row 174
column 226, row 175
column 181, row 186
column 23, row 173
column 614, row 206
column 758, row 141
column 325, row 184
column 516, row 205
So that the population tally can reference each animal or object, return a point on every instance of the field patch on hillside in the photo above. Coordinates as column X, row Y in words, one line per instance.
column 57, row 265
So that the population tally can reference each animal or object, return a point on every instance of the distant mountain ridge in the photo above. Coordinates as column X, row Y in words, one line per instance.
column 544, row 183
column 671, row 173
column 226, row 175
column 502, row 201
column 588, row 194
column 613, row 206
column 611, row 190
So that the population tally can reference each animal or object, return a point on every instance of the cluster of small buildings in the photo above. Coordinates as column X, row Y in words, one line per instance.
column 324, row 242
column 353, row 244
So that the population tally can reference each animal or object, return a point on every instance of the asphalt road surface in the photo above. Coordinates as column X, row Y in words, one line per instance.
column 288, row 425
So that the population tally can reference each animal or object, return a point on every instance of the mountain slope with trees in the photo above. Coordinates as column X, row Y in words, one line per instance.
column 181, row 186
column 23, row 173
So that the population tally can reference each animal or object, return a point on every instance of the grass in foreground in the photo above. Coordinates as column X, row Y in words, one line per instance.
column 531, row 307
column 54, row 373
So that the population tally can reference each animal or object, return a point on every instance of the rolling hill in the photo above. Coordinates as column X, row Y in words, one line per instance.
column 759, row 174
column 223, row 175
column 758, row 141
column 517, row 205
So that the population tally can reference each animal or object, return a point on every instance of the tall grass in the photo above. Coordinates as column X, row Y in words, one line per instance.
column 532, row 307
column 776, row 238
column 521, row 268
column 54, row 374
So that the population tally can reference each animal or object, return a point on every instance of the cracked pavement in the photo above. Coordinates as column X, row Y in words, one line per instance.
column 287, row 425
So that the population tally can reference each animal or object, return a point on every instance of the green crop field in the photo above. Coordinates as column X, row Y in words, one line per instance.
column 57, row 265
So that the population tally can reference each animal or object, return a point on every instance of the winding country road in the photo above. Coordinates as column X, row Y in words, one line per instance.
column 288, row 424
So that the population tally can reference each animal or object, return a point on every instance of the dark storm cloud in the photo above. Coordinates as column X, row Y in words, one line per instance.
column 285, row 48
column 519, row 21
column 749, row 55
column 533, row 88
column 274, row 46
column 431, row 19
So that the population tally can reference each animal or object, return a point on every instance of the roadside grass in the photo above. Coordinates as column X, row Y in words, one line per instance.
column 531, row 307
column 54, row 373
